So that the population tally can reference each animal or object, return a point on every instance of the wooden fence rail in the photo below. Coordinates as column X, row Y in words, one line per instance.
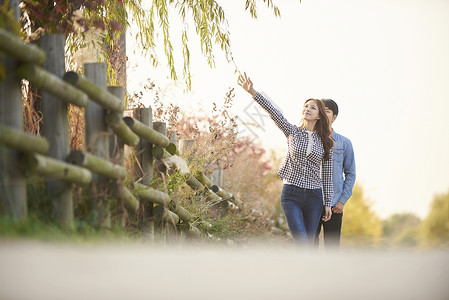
column 93, row 167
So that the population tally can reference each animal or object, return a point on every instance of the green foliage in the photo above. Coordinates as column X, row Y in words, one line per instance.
column 435, row 227
column 361, row 226
column 8, row 21
column 401, row 230
column 112, row 16
column 8, row 18
column 39, row 224
column 252, row 7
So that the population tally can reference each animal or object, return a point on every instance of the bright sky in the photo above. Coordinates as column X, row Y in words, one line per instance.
column 385, row 62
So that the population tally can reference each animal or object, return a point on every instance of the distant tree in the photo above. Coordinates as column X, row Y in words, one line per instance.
column 435, row 227
column 361, row 225
column 401, row 230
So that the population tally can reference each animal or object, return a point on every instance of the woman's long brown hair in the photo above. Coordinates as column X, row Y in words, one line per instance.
column 323, row 128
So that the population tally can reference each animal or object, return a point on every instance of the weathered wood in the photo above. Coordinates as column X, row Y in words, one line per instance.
column 12, row 182
column 173, row 137
column 222, row 193
column 96, row 129
column 131, row 202
column 47, row 81
column 162, row 214
column 186, row 147
column 194, row 183
column 160, row 127
column 180, row 211
column 53, row 168
column 226, row 195
column 97, row 138
column 23, row 141
column 212, row 197
column 116, row 123
column 56, row 130
column 217, row 177
column 160, row 153
column 97, row 165
column 116, row 154
column 151, row 195
column 172, row 148
column 145, row 117
column 202, row 178
column 146, row 132
column 190, row 229
column 16, row 47
column 97, row 93
column 116, row 145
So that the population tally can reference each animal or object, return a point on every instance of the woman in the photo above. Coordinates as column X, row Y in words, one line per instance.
column 307, row 168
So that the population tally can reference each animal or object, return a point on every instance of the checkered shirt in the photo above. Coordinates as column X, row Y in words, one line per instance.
column 298, row 168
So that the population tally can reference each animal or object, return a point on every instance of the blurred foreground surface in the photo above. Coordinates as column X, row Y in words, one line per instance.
column 33, row 270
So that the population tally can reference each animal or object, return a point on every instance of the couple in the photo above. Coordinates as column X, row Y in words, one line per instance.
column 316, row 160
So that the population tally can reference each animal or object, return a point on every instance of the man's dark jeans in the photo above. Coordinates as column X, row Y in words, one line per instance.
column 332, row 231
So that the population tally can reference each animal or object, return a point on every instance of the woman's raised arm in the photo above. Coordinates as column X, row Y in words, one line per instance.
column 281, row 122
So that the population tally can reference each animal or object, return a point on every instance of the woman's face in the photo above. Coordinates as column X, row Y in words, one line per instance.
column 310, row 111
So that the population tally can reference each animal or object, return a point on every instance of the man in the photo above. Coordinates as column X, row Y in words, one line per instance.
column 344, row 164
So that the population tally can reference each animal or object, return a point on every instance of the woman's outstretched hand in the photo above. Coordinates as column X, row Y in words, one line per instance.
column 246, row 83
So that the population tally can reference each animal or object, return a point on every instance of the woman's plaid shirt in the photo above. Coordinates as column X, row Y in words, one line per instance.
column 298, row 168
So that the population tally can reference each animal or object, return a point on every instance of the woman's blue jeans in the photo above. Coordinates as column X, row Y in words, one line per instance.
column 302, row 209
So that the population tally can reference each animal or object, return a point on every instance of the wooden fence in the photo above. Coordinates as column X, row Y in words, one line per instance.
column 107, row 133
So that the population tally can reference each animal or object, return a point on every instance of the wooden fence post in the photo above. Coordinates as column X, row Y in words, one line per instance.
column 56, row 130
column 186, row 148
column 97, row 139
column 173, row 136
column 145, row 115
column 115, row 145
column 12, row 183
column 161, row 127
column 217, row 177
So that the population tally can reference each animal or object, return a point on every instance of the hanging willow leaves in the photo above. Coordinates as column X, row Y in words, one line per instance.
column 112, row 16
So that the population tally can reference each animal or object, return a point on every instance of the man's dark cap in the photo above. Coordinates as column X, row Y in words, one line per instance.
column 332, row 105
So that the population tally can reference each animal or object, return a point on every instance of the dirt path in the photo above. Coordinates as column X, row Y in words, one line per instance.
column 33, row 270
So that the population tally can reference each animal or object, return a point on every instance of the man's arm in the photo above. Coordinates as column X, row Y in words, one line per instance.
column 349, row 171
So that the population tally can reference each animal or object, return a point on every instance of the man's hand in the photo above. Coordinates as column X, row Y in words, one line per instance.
column 338, row 209
column 246, row 83
column 327, row 214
